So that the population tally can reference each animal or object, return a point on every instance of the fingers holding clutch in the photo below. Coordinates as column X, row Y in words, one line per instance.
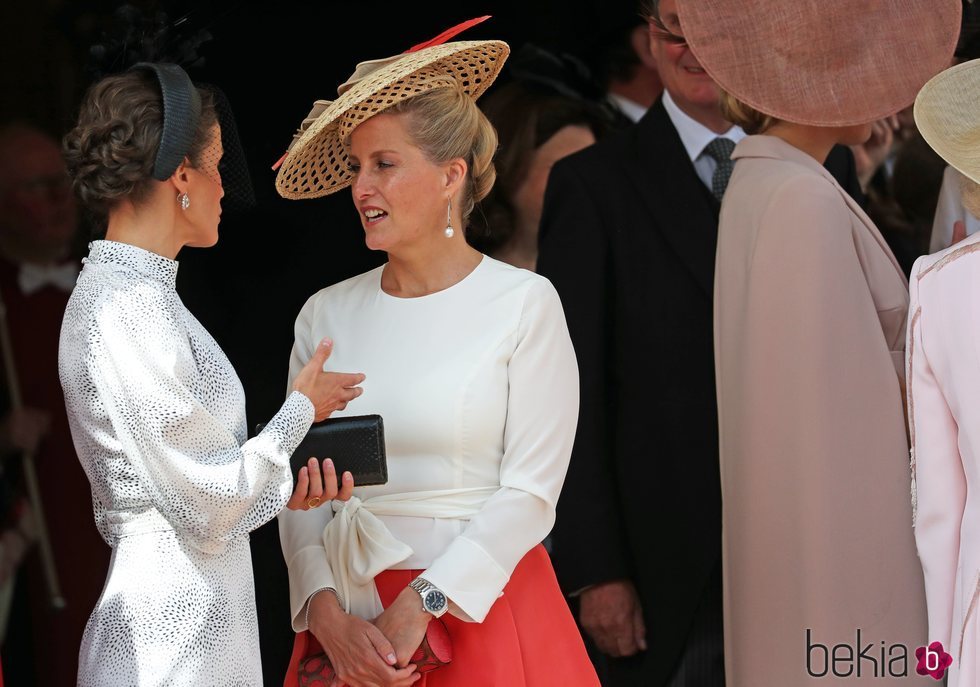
column 331, row 492
column 316, row 486
column 346, row 487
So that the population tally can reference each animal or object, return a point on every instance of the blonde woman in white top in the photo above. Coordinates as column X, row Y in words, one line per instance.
column 469, row 362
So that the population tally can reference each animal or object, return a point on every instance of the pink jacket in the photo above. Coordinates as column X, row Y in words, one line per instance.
column 943, row 359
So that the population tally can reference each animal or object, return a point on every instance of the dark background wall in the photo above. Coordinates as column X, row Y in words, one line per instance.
column 272, row 60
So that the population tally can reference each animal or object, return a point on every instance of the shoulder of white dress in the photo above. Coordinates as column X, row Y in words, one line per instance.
column 516, row 279
column 504, row 269
column 540, row 284
column 365, row 280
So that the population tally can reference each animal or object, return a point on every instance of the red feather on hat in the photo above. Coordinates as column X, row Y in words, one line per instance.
column 448, row 33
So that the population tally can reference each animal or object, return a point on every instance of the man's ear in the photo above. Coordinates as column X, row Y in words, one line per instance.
column 640, row 39
column 179, row 177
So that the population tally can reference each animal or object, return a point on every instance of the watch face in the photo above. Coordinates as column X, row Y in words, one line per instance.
column 435, row 601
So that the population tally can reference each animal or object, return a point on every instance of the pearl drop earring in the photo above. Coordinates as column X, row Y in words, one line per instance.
column 449, row 221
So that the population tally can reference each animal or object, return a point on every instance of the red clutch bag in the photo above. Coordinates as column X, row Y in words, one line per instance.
column 436, row 650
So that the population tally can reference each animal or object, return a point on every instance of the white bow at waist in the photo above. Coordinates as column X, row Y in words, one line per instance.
column 359, row 546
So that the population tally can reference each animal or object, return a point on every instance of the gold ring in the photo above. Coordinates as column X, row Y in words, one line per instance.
column 313, row 502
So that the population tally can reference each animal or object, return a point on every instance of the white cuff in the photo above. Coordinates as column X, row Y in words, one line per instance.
column 469, row 577
column 309, row 572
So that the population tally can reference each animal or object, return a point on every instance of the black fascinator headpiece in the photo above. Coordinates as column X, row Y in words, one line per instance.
column 181, row 116
column 169, row 48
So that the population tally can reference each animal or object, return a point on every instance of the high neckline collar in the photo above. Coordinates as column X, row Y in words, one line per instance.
column 146, row 263
column 763, row 145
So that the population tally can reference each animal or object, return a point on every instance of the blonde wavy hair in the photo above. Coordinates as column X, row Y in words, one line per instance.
column 751, row 120
column 446, row 124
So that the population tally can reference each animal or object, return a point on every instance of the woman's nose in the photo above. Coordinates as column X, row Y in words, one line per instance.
column 361, row 186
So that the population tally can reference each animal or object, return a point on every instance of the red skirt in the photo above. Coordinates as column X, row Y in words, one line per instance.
column 528, row 639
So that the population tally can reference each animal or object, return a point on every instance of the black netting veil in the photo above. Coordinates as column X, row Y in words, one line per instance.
column 136, row 38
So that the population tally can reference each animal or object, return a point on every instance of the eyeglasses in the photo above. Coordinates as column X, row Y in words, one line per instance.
column 662, row 33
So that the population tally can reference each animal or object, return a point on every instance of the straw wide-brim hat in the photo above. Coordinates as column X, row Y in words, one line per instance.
column 822, row 62
column 317, row 162
column 947, row 112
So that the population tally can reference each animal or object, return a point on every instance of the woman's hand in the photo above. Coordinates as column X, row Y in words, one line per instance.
column 404, row 623
column 315, row 486
column 870, row 155
column 959, row 231
column 329, row 391
column 359, row 652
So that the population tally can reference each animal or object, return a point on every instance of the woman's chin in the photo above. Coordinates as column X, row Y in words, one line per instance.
column 375, row 241
column 204, row 242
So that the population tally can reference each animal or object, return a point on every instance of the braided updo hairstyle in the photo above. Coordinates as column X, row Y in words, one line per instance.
column 111, row 151
column 446, row 124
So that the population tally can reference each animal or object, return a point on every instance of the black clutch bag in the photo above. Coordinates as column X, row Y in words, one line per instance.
column 355, row 444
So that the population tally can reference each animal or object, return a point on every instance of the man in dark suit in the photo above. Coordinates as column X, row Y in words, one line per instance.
column 628, row 238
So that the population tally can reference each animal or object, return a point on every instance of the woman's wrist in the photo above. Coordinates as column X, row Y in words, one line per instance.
column 323, row 609
column 412, row 602
column 309, row 602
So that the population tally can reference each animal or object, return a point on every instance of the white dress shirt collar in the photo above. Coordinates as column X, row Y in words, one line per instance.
column 33, row 277
column 695, row 135
column 633, row 110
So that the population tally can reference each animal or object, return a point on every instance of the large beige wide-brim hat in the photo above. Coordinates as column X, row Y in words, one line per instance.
column 822, row 62
column 947, row 112
column 317, row 162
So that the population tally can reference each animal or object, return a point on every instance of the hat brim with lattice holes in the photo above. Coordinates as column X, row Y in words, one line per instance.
column 317, row 162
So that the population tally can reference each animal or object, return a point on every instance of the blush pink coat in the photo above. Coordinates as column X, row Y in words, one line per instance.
column 944, row 424
column 810, row 314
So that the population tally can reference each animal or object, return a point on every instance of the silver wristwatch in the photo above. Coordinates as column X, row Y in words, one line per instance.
column 433, row 600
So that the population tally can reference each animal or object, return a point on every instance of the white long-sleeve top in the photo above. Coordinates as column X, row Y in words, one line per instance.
column 157, row 415
column 478, row 387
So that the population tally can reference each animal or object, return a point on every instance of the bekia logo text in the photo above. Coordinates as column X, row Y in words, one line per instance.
column 872, row 659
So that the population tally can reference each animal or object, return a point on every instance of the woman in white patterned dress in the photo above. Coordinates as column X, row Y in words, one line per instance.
column 157, row 412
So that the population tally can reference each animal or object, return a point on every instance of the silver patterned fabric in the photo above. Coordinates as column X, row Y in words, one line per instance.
column 157, row 414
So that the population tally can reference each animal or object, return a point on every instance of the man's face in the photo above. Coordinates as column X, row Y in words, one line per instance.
column 688, row 84
column 36, row 201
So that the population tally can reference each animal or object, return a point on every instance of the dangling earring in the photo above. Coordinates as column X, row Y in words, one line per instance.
column 449, row 221
column 185, row 201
